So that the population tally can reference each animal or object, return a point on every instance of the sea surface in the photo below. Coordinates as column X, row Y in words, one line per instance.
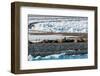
column 57, row 56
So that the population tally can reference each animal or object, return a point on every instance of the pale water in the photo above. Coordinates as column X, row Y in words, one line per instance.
column 57, row 56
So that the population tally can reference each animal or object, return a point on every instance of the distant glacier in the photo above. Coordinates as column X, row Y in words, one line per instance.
column 70, row 24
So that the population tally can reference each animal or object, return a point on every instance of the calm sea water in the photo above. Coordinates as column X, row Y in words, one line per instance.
column 57, row 56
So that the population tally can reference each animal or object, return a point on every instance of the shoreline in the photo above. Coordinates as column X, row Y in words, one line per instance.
column 45, row 49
